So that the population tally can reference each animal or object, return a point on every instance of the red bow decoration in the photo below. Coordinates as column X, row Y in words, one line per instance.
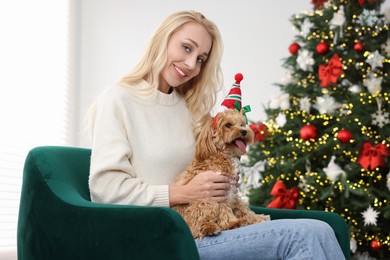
column 372, row 156
column 362, row 2
column 285, row 199
column 331, row 72
column 260, row 131
column 318, row 3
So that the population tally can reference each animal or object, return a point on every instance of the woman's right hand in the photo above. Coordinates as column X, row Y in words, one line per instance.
column 206, row 186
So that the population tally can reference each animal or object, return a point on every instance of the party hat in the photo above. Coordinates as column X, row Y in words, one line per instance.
column 233, row 99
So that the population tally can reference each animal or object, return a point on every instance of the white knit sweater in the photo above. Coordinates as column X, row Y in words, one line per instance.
column 139, row 145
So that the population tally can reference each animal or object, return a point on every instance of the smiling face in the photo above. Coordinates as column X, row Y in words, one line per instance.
column 188, row 48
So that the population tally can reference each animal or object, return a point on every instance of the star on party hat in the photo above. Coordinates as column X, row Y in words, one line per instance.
column 233, row 99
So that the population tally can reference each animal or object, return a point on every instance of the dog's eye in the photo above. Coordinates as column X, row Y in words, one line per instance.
column 228, row 125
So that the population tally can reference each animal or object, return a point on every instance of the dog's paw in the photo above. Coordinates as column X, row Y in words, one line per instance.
column 210, row 229
column 261, row 217
column 216, row 232
column 254, row 219
column 236, row 223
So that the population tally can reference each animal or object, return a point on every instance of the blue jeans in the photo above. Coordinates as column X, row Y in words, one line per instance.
column 298, row 239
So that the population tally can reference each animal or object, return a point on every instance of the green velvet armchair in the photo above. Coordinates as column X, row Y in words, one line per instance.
column 57, row 220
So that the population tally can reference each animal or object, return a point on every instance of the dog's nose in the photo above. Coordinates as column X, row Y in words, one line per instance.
column 243, row 132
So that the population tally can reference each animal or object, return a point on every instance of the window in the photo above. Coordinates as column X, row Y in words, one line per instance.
column 35, row 65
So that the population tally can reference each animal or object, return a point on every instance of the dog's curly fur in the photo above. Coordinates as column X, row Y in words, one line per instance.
column 216, row 150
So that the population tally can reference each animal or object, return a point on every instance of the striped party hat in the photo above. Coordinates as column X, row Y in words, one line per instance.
column 233, row 99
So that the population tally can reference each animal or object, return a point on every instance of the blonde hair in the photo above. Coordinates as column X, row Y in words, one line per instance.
column 201, row 91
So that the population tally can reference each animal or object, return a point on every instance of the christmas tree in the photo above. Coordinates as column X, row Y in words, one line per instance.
column 325, row 142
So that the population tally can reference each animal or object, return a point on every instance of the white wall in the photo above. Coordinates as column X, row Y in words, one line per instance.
column 256, row 37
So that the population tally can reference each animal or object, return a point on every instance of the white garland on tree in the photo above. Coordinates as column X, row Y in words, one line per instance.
column 355, row 89
column 326, row 104
column 374, row 85
column 281, row 119
column 375, row 59
column 333, row 170
column 388, row 180
column 368, row 18
column 303, row 185
column 338, row 21
column 305, row 60
column 387, row 15
column 250, row 178
column 370, row 216
column 363, row 256
column 304, row 104
column 353, row 245
column 287, row 78
column 386, row 47
column 280, row 100
column 306, row 27
column 380, row 118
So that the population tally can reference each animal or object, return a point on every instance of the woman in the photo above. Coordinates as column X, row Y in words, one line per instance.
column 144, row 130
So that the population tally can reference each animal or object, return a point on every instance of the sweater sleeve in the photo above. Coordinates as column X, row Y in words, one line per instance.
column 112, row 178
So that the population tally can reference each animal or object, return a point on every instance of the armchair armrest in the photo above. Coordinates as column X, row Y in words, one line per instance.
column 337, row 223
column 57, row 229
column 57, row 222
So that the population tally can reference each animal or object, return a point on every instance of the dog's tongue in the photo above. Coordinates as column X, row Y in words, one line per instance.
column 241, row 145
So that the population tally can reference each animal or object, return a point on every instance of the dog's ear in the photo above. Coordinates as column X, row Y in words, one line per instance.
column 250, row 135
column 204, row 144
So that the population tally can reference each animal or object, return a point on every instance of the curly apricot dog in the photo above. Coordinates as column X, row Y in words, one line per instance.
column 221, row 142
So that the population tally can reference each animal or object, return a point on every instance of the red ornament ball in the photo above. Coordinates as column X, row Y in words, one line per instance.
column 375, row 245
column 358, row 47
column 294, row 48
column 308, row 132
column 322, row 48
column 344, row 136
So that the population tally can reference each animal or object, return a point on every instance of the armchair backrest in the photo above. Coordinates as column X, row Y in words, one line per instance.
column 68, row 165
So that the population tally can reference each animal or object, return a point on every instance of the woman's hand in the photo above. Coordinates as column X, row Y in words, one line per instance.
column 206, row 186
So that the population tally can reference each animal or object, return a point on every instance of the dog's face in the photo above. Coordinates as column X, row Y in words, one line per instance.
column 226, row 133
